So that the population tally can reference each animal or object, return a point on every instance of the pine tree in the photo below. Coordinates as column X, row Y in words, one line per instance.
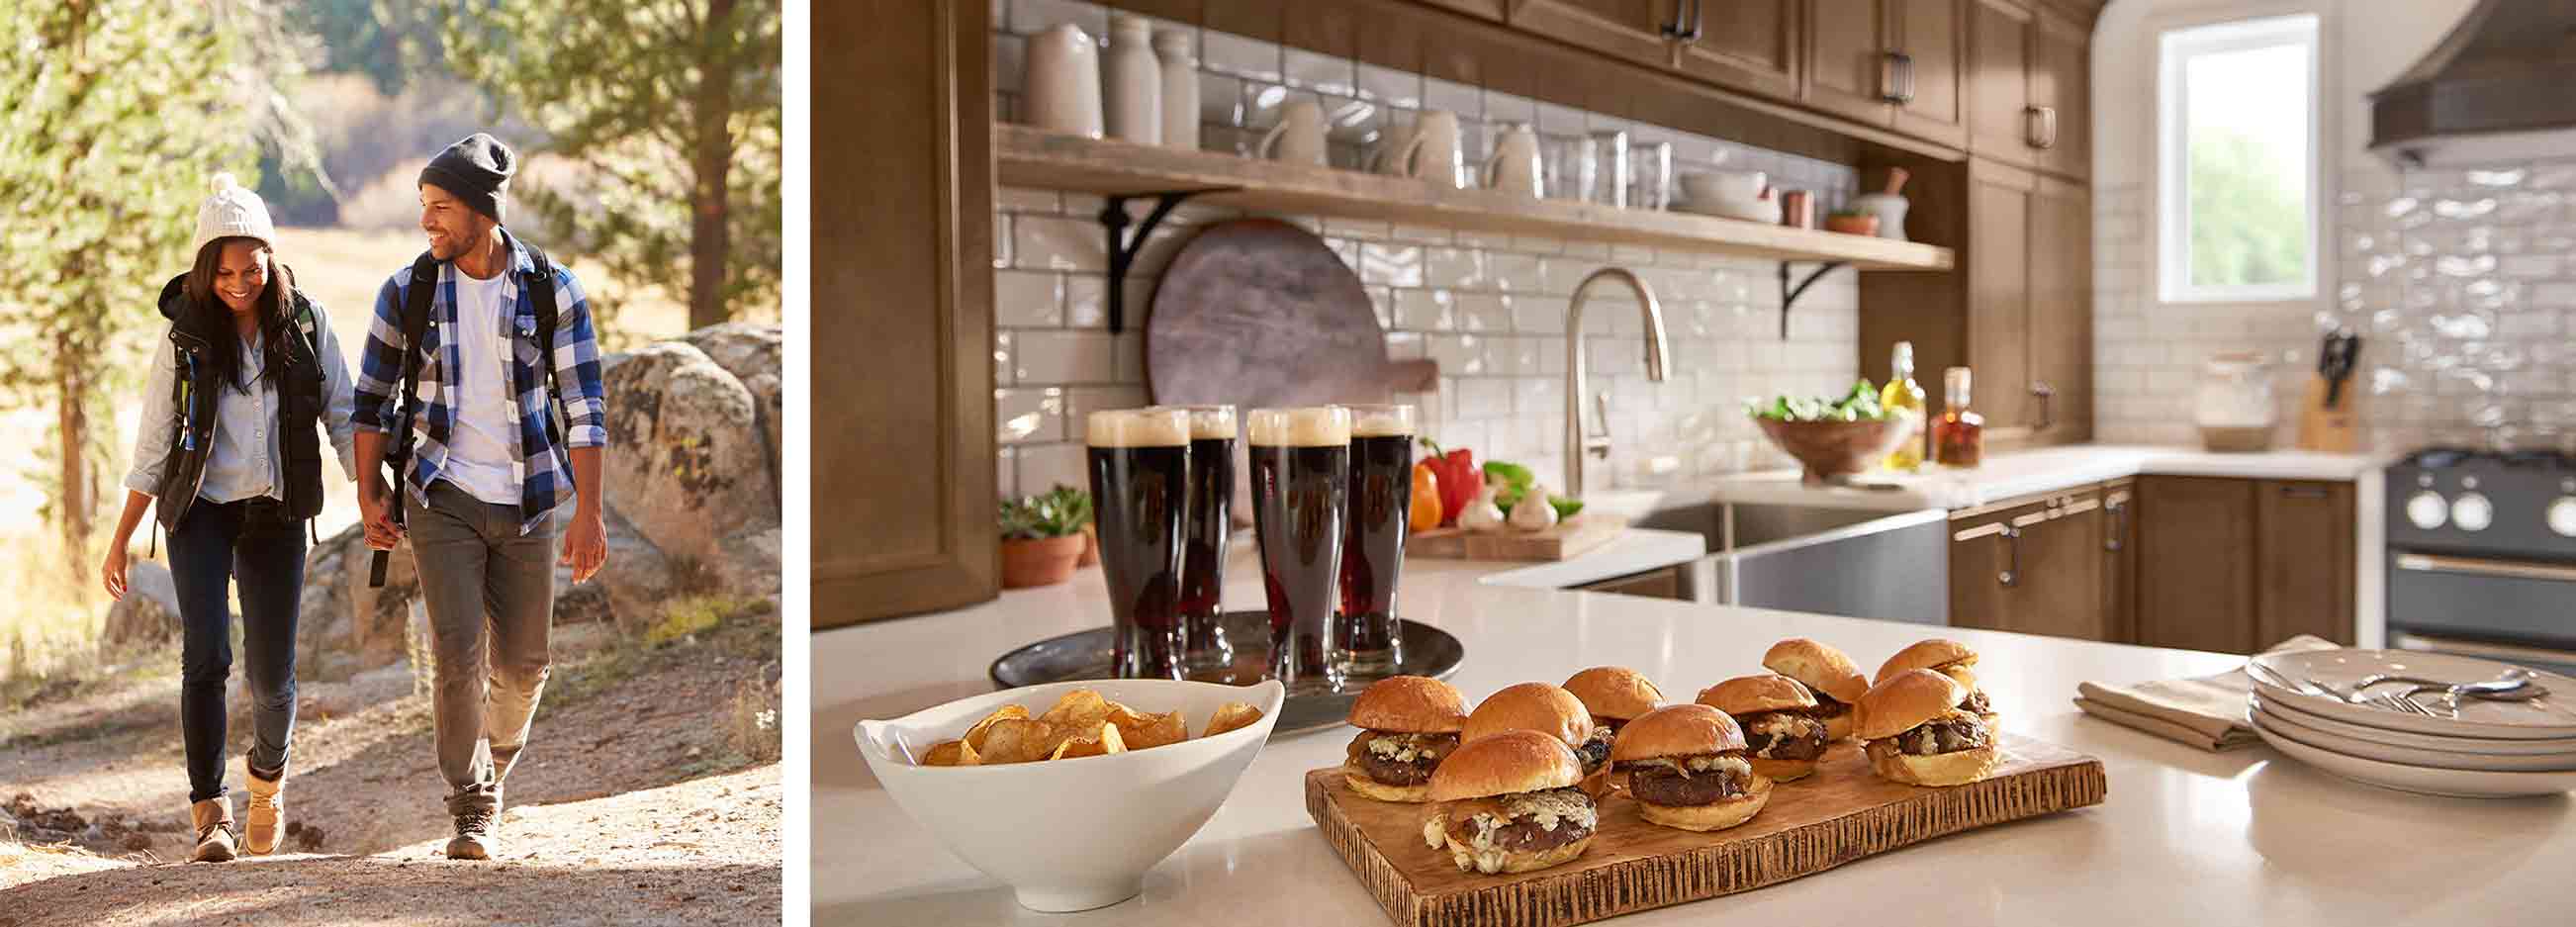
column 674, row 106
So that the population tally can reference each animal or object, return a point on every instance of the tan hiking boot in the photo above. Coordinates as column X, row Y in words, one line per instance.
column 267, row 817
column 213, row 821
column 473, row 836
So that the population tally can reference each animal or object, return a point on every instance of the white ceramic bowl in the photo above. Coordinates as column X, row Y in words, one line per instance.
column 1074, row 834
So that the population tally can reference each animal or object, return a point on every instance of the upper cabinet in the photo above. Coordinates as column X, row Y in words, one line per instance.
column 2028, row 86
column 1748, row 45
column 1486, row 9
column 1893, row 63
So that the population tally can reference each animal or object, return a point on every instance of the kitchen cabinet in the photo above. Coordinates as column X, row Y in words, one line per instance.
column 2235, row 565
column 1747, row 45
column 1665, row 583
column 903, row 483
column 2032, row 565
column 1482, row 9
column 2120, row 559
column 2057, row 270
column 2028, row 88
column 1893, row 63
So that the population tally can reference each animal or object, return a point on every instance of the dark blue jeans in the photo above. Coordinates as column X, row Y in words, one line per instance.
column 255, row 543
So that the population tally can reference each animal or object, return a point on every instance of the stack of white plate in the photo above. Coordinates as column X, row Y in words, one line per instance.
column 2492, row 750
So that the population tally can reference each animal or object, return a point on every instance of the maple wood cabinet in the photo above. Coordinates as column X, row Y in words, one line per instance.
column 2029, row 85
column 1893, row 63
column 1747, row 45
column 2235, row 565
column 2032, row 565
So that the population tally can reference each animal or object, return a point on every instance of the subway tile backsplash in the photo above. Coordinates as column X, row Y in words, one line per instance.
column 1490, row 308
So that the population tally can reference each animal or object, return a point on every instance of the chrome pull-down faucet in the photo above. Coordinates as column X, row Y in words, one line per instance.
column 1578, row 444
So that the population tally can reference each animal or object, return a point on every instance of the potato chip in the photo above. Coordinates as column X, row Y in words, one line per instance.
column 975, row 735
column 951, row 753
column 1019, row 740
column 1143, row 731
column 1107, row 743
column 1230, row 716
column 1082, row 708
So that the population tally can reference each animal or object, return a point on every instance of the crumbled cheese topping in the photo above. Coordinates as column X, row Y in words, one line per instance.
column 1549, row 809
column 1775, row 723
column 1402, row 748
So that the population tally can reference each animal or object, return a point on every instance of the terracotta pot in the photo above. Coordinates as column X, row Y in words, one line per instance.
column 1039, row 562
column 1833, row 451
column 1852, row 225
column 1090, row 545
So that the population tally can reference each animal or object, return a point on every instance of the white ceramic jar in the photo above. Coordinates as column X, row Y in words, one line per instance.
column 2233, row 404
column 1180, row 97
column 1062, row 82
column 1131, row 82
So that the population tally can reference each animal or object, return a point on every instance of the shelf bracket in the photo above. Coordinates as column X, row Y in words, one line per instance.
column 1123, row 247
column 1789, row 294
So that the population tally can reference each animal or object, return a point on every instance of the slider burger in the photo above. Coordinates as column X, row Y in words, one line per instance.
column 1918, row 731
column 1407, row 724
column 1782, row 735
column 1828, row 675
column 1687, row 769
column 1537, row 706
column 1509, row 803
column 1614, row 695
column 1947, row 657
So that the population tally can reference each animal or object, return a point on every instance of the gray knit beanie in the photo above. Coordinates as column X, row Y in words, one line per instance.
column 476, row 170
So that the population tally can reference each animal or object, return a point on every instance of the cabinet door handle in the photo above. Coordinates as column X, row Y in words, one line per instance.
column 2296, row 491
column 2119, row 533
column 1896, row 77
column 1685, row 26
column 2040, row 126
column 1905, row 70
column 2011, row 575
column 2045, row 392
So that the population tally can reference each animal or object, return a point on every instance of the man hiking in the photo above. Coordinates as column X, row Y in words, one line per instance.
column 472, row 349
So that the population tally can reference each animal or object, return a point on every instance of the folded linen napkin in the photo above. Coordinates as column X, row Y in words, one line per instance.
column 2206, row 712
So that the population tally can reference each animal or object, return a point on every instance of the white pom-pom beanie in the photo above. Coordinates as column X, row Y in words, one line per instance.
column 230, row 211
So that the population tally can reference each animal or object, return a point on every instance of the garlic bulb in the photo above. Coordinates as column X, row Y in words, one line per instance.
column 1533, row 513
column 1482, row 514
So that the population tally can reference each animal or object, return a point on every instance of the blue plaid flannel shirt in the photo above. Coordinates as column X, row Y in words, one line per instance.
column 543, row 471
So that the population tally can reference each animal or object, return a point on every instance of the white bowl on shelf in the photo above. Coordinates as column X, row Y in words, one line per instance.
column 1072, row 834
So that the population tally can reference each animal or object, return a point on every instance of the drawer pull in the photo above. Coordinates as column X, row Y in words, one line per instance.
column 2471, row 566
column 2011, row 575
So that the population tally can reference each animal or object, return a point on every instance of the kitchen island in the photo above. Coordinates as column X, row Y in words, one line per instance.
column 2184, row 837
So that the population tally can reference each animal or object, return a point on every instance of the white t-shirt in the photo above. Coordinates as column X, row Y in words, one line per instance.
column 481, row 453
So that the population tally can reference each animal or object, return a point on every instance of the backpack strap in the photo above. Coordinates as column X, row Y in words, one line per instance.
column 415, row 326
column 548, row 314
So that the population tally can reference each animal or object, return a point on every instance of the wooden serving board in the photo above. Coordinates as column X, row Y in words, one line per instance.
column 1841, row 813
column 1566, row 539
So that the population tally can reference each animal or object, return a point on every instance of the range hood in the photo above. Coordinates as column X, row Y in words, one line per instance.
column 2500, row 87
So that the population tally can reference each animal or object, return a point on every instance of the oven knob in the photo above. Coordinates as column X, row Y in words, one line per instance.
column 2472, row 512
column 2562, row 516
column 2427, row 510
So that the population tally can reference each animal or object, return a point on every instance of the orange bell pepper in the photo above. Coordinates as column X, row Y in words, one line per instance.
column 1424, row 514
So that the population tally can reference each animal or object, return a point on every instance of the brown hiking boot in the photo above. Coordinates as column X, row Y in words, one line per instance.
column 213, row 822
column 473, row 836
column 267, row 817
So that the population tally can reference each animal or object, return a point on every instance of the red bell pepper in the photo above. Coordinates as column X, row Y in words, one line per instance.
column 1459, row 479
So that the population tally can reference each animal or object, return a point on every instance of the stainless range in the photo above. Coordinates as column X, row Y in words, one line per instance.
column 2482, row 547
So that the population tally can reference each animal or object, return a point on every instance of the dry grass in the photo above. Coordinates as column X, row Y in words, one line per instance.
column 343, row 268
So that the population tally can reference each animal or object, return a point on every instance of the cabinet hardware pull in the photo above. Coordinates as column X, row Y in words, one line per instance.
column 1905, row 92
column 2039, row 126
column 2119, row 525
column 1890, row 84
column 1678, row 30
column 2048, row 120
column 2045, row 392
column 2296, row 491
column 2472, row 566
column 2011, row 575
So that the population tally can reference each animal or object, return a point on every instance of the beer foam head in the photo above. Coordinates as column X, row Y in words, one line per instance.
column 1210, row 422
column 1381, row 421
column 1139, row 428
column 1311, row 426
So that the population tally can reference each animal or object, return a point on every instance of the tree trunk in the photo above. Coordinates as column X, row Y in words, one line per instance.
column 72, row 420
column 713, row 160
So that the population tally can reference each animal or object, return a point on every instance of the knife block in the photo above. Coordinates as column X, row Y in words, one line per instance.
column 2334, row 430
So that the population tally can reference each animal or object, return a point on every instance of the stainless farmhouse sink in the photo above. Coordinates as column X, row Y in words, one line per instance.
column 1866, row 564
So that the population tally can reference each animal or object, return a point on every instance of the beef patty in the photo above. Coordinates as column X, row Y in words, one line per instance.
column 1426, row 751
column 1805, row 740
column 1595, row 752
column 1663, row 785
column 1828, row 707
column 1521, row 834
column 1976, row 703
column 1944, row 735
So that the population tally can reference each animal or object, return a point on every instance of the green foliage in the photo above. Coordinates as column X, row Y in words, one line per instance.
column 674, row 105
column 386, row 41
column 1054, row 514
column 2249, row 221
column 1859, row 405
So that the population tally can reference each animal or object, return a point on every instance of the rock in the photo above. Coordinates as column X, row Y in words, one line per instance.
column 747, row 564
column 379, row 619
column 754, row 354
column 582, row 603
column 325, row 633
column 685, row 462
column 150, row 609
column 637, row 579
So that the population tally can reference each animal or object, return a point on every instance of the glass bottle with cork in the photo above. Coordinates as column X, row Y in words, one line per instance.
column 1902, row 396
column 1959, row 435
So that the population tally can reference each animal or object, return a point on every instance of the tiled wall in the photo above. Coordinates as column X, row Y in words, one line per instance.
column 2461, row 283
column 1490, row 308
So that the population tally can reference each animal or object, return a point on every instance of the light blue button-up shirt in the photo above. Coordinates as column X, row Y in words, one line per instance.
column 244, row 461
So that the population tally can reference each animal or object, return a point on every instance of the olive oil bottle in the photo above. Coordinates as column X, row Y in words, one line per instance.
column 1902, row 396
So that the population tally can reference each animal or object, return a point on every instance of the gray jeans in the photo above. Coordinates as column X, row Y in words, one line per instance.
column 490, row 593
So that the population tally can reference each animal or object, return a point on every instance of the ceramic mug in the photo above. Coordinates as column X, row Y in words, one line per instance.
column 1299, row 136
column 1429, row 149
column 1061, row 86
column 1514, row 165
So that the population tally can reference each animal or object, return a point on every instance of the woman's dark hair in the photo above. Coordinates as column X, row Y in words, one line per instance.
column 207, row 316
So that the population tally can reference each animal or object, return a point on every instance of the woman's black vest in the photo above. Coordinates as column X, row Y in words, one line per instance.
column 299, row 406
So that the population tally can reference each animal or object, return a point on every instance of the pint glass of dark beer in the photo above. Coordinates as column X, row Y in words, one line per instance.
column 1140, row 475
column 1373, row 544
column 1203, row 536
column 1301, row 471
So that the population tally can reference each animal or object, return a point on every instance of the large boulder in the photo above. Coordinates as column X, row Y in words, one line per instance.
column 686, row 461
column 754, row 354
column 326, row 629
column 379, row 619
column 637, row 578
column 150, row 609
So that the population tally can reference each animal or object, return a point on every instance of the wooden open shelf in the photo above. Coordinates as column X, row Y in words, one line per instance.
column 1028, row 157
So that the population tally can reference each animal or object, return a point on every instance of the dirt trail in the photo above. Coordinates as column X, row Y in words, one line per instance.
column 631, row 806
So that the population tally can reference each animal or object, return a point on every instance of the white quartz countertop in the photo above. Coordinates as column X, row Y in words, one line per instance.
column 2184, row 837
column 2004, row 476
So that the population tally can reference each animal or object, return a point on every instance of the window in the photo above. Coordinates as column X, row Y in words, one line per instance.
column 2237, row 152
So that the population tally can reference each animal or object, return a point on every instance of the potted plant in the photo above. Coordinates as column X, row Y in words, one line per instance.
column 1042, row 536
column 1852, row 222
